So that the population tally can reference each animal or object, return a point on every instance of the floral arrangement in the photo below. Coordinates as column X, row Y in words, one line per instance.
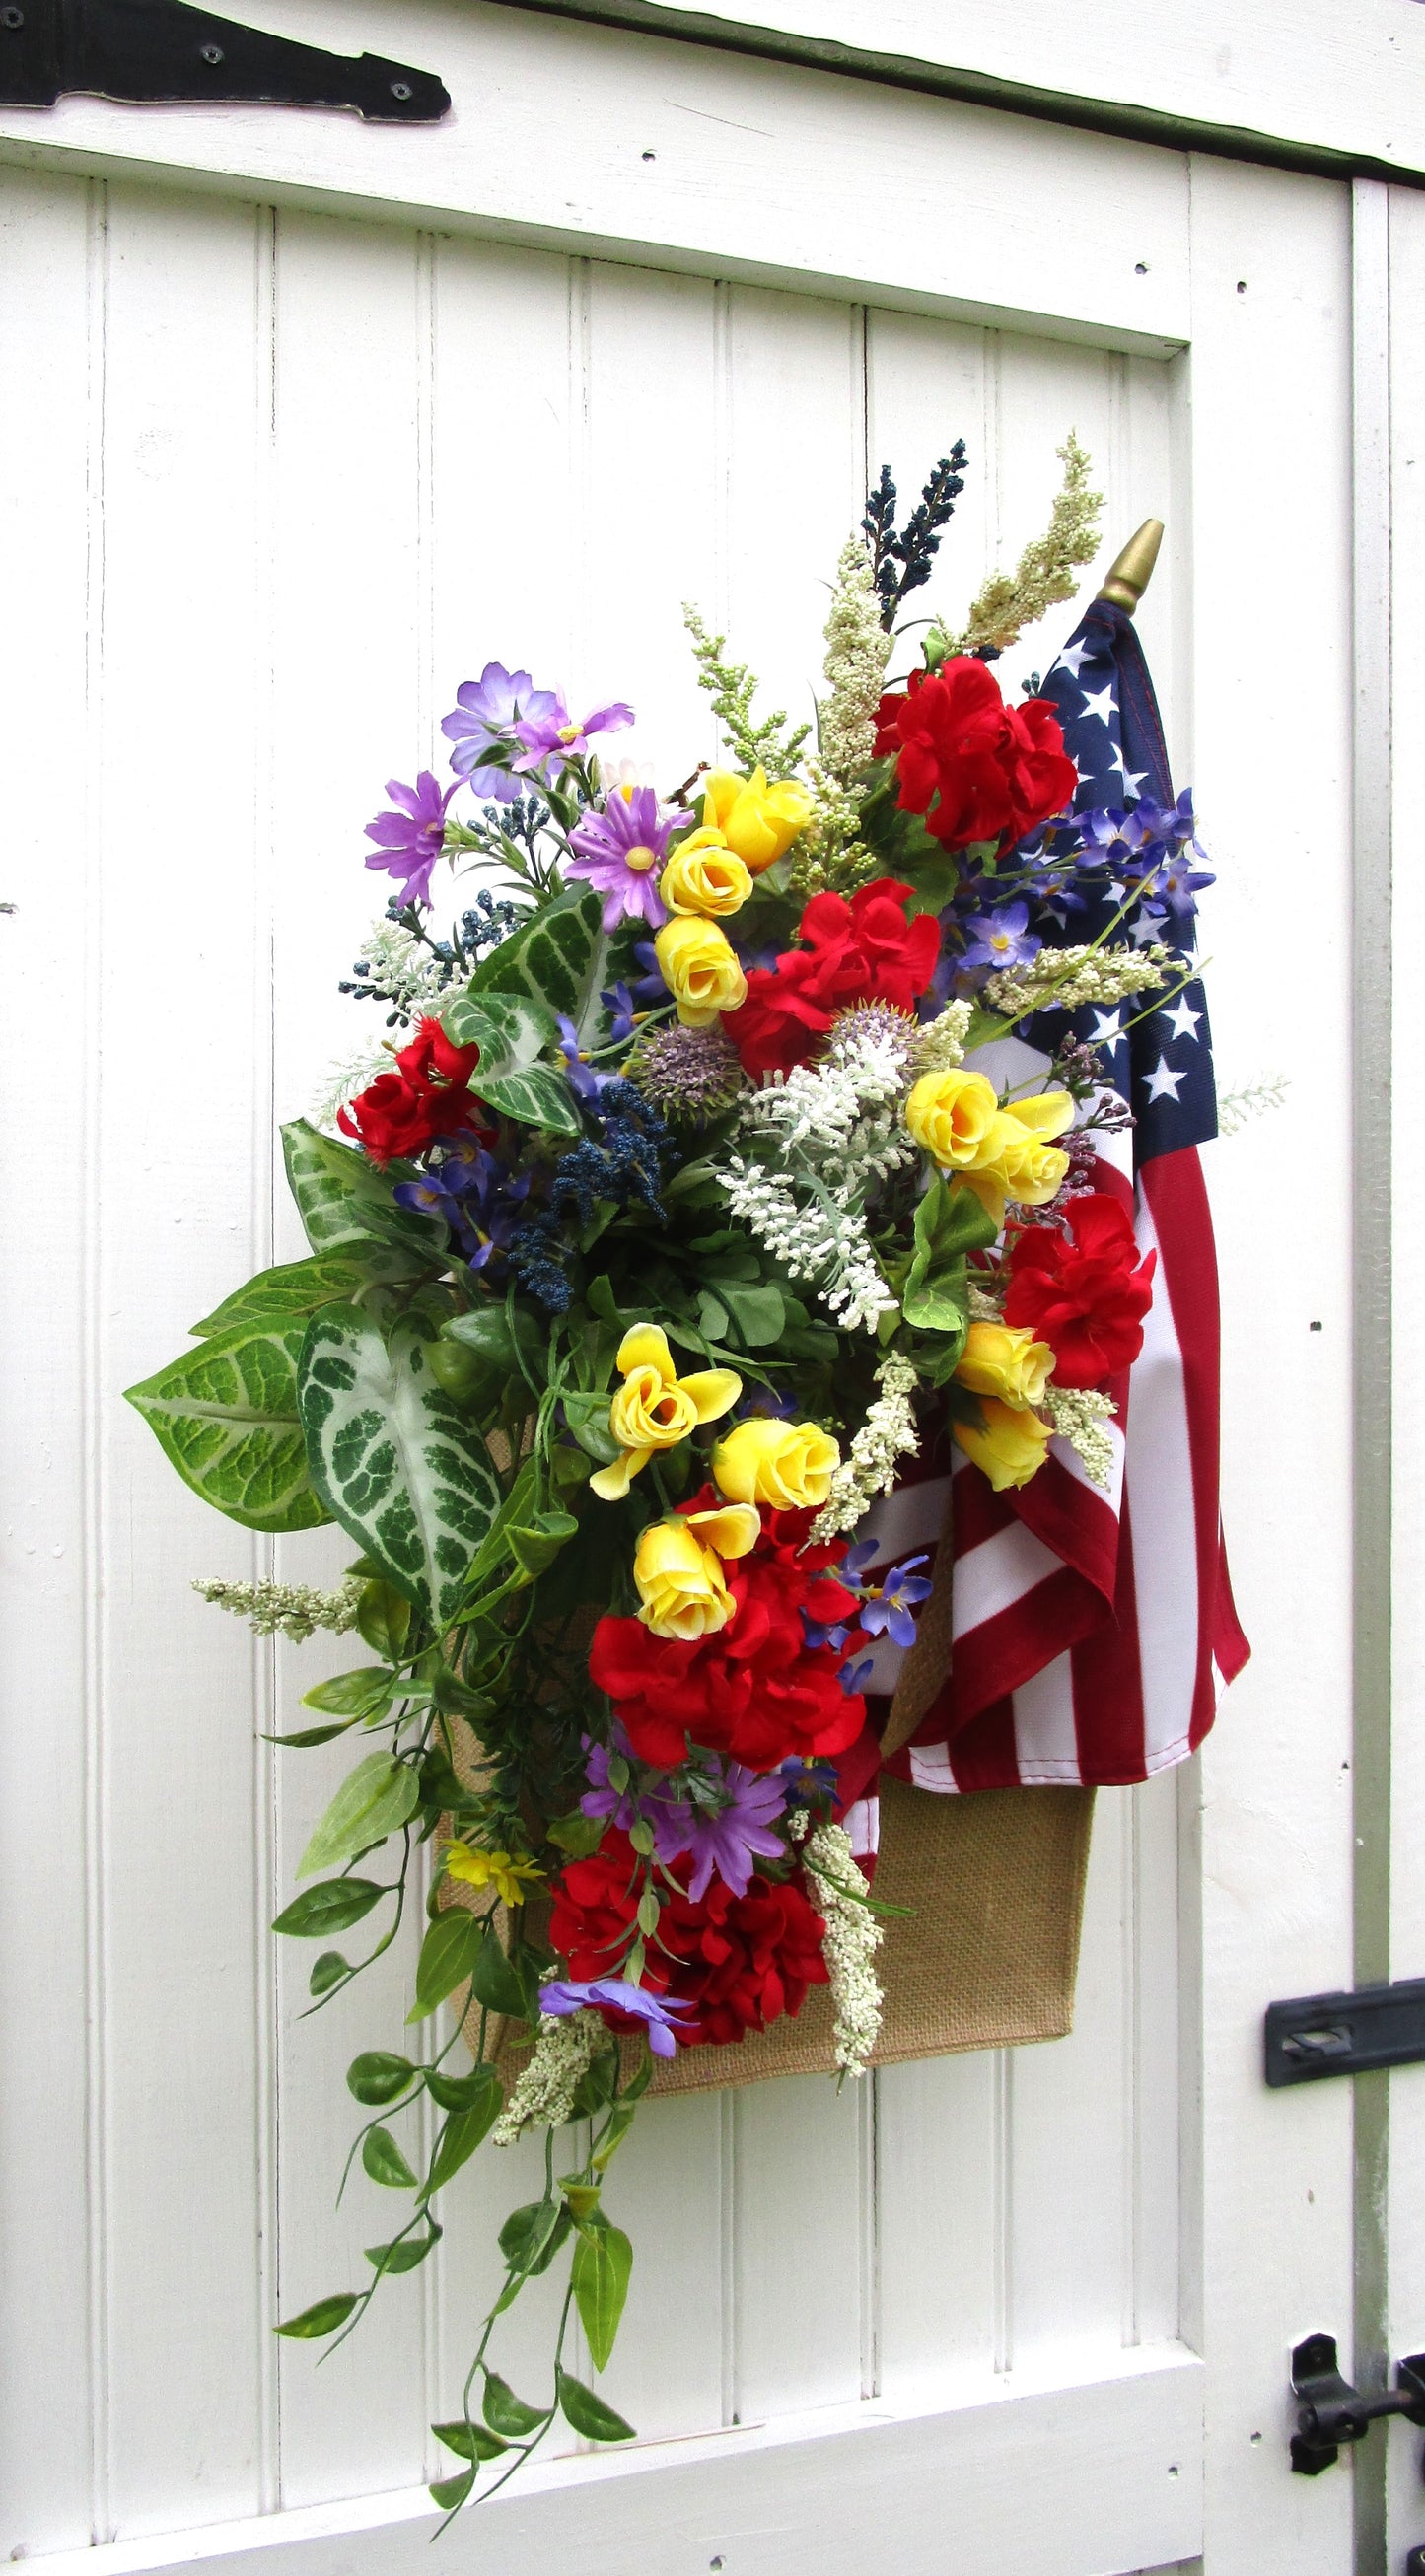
column 669, row 1220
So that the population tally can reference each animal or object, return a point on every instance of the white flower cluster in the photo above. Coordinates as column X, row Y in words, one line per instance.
column 938, row 1046
column 294, row 1608
column 848, row 1944
column 887, row 1435
column 1078, row 1416
column 1063, row 979
column 542, row 2096
column 402, row 968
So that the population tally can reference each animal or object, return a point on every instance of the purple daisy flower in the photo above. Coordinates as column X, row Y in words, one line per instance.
column 485, row 714
column 726, row 1838
column 1000, row 939
column 621, row 852
column 410, row 834
column 551, row 735
column 564, row 1995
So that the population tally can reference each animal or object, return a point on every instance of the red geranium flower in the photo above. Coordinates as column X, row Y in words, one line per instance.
column 1085, row 1293
column 427, row 1096
column 977, row 769
column 861, row 951
column 755, row 1691
column 739, row 1961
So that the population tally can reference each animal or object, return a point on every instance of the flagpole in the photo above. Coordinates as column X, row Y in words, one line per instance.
column 1130, row 573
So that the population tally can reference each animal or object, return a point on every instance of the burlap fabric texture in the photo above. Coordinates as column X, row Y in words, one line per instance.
column 986, row 1954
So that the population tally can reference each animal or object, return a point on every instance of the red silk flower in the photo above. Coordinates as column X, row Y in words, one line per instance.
column 977, row 769
column 755, row 1691
column 1085, row 1293
column 861, row 951
column 739, row 1961
column 427, row 1096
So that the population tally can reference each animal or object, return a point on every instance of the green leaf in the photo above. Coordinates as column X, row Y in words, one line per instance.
column 374, row 1800
column 532, row 2236
column 384, row 2161
column 494, row 1982
column 344, row 1201
column 447, row 1957
column 507, row 2414
column 322, row 2318
column 469, row 2441
column 534, row 1549
column 603, row 2260
column 371, row 1686
column 539, row 1096
column 577, row 1834
column 553, row 961
column 226, row 1416
column 509, row 1029
column 463, row 2092
column 464, row 2131
column 485, row 1331
column 384, row 1618
column 376, row 2077
column 403, row 2253
column 307, row 1736
column 589, row 2415
column 949, row 1222
column 450, row 2493
column 759, row 1313
column 331, row 1969
column 297, row 1288
column 330, row 1907
column 397, row 1462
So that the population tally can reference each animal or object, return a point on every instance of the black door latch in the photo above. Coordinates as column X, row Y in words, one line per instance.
column 1330, row 2411
column 1345, row 2034
column 152, row 51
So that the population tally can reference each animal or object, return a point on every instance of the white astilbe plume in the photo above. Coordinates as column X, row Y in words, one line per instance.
column 858, row 649
column 849, row 1943
column 938, row 1045
column 887, row 1435
column 294, row 1608
column 542, row 2096
column 1079, row 1416
column 1064, row 979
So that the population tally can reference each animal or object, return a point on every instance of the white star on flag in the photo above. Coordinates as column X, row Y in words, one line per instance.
column 1162, row 1082
column 1101, row 704
column 1073, row 658
column 1133, row 781
column 1184, row 1019
column 1107, row 1030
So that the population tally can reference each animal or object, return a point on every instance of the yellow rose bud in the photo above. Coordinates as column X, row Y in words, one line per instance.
column 757, row 821
column 1016, row 1162
column 680, row 1583
column 699, row 969
column 1005, row 1360
column 953, row 1117
column 704, row 876
column 786, row 1465
column 1010, row 1447
column 655, row 1408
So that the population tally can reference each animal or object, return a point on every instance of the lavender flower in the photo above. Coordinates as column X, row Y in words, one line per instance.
column 485, row 714
column 621, row 852
column 549, row 735
column 618, row 1002
column 410, row 834
column 583, row 1081
column 856, row 1677
column 888, row 1607
column 1001, row 939
column 807, row 1783
column 563, row 1995
column 475, row 1196
column 603, row 1798
column 723, row 1839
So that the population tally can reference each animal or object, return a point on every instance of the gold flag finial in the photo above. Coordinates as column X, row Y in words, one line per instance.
column 1130, row 573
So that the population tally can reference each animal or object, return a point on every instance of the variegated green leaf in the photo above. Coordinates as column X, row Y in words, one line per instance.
column 536, row 1095
column 342, row 1199
column 226, row 1415
column 508, row 1029
column 400, row 1466
column 297, row 1288
column 553, row 961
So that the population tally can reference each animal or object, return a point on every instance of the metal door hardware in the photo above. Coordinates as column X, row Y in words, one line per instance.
column 1346, row 2034
column 162, row 50
column 1330, row 2411
column 1415, row 2563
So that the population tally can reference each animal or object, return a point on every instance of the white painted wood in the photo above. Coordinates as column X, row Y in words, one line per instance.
column 1063, row 2478
column 757, row 171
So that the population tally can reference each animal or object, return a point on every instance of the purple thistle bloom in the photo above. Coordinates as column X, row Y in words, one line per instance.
column 549, row 735
column 1000, row 939
column 485, row 714
column 410, row 834
column 722, row 1840
column 563, row 1995
column 621, row 852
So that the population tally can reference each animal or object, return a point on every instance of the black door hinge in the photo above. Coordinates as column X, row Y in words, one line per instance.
column 1345, row 2034
column 1330, row 2411
column 163, row 50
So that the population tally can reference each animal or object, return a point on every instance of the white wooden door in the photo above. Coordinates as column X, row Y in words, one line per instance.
column 300, row 422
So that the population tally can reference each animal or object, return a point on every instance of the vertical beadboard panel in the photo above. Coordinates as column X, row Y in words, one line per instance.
column 53, row 2395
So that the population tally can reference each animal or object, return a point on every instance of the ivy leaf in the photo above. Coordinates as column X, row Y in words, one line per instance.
column 532, row 2236
column 759, row 1313
column 322, row 2318
column 462, row 2092
column 535, row 1548
column 469, row 2441
column 450, row 2493
column 603, row 2260
column 384, row 2161
column 949, row 1223
column 374, row 1800
column 383, row 1616
column 331, row 1969
column 494, row 1982
column 331, row 1907
column 447, row 1957
column 297, row 1288
column 589, row 2415
column 226, row 1416
column 507, row 2414
column 344, row 1202
column 486, row 1331
column 307, row 1736
column 359, row 1694
column 463, row 2132
column 403, row 2253
column 376, row 2077
column 402, row 1468
column 577, row 1834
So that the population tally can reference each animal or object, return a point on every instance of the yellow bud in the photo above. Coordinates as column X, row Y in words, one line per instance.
column 680, row 1582
column 1010, row 1446
column 700, row 969
column 704, row 876
column 786, row 1465
column 757, row 821
column 1005, row 1360
column 952, row 1116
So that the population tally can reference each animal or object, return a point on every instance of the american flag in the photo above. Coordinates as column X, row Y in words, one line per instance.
column 1093, row 1633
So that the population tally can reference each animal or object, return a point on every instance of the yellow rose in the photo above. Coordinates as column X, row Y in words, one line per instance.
column 1018, row 1163
column 491, row 1869
column 787, row 1465
column 1010, row 1447
column 952, row 1117
column 757, row 821
column 699, row 969
column 678, row 1570
column 655, row 1408
column 1005, row 1360
column 704, row 876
